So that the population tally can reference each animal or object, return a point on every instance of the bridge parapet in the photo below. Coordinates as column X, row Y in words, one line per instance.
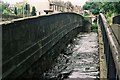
column 25, row 40
column 116, row 20
column 111, row 49
column 116, row 27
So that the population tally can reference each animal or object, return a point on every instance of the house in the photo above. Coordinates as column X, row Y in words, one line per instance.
column 48, row 6
column 40, row 6
column 77, row 9
column 51, row 6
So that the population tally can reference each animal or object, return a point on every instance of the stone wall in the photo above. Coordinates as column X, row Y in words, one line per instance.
column 25, row 40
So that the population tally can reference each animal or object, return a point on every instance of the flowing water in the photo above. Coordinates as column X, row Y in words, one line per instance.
column 79, row 61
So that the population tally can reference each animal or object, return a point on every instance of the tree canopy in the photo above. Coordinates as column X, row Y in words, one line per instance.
column 5, row 8
column 105, row 7
column 33, row 13
column 27, row 8
column 92, row 6
column 15, row 11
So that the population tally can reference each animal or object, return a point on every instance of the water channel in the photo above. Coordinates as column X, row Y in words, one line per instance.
column 79, row 61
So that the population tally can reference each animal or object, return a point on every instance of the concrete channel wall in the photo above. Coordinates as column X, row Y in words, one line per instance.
column 25, row 40
column 111, row 49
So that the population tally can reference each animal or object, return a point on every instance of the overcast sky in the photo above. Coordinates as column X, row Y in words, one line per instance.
column 75, row 2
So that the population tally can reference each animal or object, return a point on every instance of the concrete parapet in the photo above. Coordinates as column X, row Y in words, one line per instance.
column 103, row 67
column 116, row 27
column 111, row 49
column 25, row 40
column 116, row 20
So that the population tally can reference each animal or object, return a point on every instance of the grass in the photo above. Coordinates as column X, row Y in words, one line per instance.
column 94, row 27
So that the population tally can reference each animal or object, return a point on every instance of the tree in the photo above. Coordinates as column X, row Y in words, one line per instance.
column 86, row 13
column 87, row 6
column 92, row 6
column 27, row 9
column 110, row 8
column 33, row 13
column 117, row 7
column 5, row 8
column 15, row 11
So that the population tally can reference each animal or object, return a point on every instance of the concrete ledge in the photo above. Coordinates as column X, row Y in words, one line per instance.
column 103, row 68
column 116, row 20
column 116, row 29
column 113, row 42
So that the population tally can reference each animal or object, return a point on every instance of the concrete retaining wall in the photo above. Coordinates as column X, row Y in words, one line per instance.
column 24, row 41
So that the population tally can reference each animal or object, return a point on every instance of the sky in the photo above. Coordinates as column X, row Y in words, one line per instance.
column 74, row 2
column 77, row 2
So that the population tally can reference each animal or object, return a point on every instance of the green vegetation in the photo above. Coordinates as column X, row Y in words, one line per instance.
column 86, row 14
column 33, row 13
column 110, row 9
column 105, row 7
column 18, row 10
column 87, row 20
column 92, row 6
column 27, row 9
column 5, row 8
column 94, row 27
column 15, row 11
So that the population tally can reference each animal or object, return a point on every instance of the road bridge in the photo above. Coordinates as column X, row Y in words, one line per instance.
column 29, row 44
